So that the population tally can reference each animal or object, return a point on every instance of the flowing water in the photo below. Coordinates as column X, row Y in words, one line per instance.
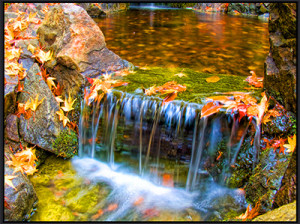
column 141, row 161
column 215, row 43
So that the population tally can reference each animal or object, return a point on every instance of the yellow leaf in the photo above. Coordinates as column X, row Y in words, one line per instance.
column 31, row 48
column 68, row 104
column 16, row 163
column 35, row 103
column 13, row 53
column 8, row 181
column 213, row 79
column 62, row 117
column 292, row 144
column 58, row 99
column 42, row 56
column 27, row 156
column 50, row 82
column 180, row 75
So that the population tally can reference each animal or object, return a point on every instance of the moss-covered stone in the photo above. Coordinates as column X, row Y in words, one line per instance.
column 266, row 178
column 196, row 86
column 66, row 144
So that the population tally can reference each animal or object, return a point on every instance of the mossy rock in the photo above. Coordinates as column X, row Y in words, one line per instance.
column 66, row 144
column 197, row 88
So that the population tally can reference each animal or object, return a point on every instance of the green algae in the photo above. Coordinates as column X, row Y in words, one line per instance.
column 197, row 86
column 64, row 196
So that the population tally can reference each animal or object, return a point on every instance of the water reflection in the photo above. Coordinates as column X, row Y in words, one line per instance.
column 213, row 43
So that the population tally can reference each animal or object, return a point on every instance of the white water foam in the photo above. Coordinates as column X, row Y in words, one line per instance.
column 127, row 188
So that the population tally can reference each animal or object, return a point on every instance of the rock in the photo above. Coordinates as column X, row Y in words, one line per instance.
column 20, row 201
column 11, row 129
column 44, row 126
column 71, row 33
column 113, row 7
column 10, row 95
column 214, row 7
column 266, row 178
column 78, row 44
column 280, row 65
column 279, row 125
column 23, row 44
column 287, row 191
column 93, row 10
column 286, row 213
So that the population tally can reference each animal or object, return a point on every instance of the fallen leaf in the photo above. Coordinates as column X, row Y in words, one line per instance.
column 213, row 79
column 209, row 109
column 68, row 104
column 8, row 180
column 50, row 83
column 292, row 144
column 138, row 201
column 62, row 117
column 170, row 97
column 112, row 207
column 31, row 48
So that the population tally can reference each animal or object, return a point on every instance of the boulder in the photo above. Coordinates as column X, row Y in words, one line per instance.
column 44, row 126
column 286, row 213
column 266, row 178
column 280, row 66
column 11, row 129
column 20, row 201
column 77, row 41
column 287, row 192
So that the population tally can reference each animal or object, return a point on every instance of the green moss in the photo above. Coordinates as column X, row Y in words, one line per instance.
column 66, row 144
column 197, row 87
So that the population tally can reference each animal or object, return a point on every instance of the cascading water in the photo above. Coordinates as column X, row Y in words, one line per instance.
column 126, row 140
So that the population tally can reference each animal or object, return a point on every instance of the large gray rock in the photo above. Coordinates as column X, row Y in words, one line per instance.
column 43, row 127
column 22, row 200
column 280, row 66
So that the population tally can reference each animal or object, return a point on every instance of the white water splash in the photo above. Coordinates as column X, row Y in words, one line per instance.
column 127, row 188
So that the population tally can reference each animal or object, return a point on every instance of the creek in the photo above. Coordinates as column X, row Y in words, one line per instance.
column 141, row 161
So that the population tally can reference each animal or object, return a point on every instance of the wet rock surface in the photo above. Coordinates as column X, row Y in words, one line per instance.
column 266, row 178
column 11, row 129
column 280, row 65
column 20, row 200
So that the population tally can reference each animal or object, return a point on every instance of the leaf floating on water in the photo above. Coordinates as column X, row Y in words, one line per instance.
column 209, row 109
column 213, row 79
column 170, row 97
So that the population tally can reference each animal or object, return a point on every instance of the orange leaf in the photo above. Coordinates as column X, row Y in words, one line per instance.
column 167, row 180
column 213, row 79
column 58, row 90
column 120, row 84
column 112, row 207
column 209, row 109
column 170, row 97
column 138, row 201
column 97, row 215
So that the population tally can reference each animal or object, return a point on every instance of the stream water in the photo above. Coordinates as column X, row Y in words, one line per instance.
column 208, row 42
column 141, row 161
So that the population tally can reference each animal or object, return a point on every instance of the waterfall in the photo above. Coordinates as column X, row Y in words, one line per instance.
column 141, row 128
